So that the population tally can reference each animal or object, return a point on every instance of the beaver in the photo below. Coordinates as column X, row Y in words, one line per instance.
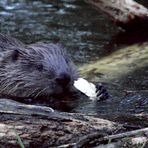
column 35, row 70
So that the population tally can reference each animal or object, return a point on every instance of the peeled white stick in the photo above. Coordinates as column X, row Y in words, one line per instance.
column 89, row 89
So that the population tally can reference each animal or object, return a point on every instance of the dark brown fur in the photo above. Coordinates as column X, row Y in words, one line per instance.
column 32, row 71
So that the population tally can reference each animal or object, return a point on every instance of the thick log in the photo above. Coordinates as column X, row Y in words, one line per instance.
column 109, row 66
column 38, row 126
column 127, row 14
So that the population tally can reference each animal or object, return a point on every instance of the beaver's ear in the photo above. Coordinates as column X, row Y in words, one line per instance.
column 10, row 56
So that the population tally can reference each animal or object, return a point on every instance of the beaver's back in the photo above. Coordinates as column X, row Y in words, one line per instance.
column 7, row 41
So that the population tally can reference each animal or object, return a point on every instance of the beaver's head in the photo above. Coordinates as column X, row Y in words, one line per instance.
column 36, row 70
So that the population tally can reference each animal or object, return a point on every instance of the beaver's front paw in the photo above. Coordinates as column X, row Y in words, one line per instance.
column 101, row 92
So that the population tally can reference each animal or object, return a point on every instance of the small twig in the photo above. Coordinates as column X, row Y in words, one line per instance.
column 96, row 135
column 127, row 134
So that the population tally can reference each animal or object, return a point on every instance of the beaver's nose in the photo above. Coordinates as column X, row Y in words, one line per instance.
column 63, row 79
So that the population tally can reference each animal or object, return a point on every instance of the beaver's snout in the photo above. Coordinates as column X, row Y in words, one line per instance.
column 63, row 79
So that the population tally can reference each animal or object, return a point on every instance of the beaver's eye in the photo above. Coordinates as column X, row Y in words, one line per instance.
column 39, row 67
column 15, row 55
column 67, row 59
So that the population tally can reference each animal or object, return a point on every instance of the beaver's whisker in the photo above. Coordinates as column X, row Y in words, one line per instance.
column 40, row 92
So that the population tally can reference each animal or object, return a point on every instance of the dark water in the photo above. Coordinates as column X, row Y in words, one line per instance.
column 88, row 35
column 75, row 25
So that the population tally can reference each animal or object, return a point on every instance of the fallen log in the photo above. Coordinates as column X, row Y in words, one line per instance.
column 109, row 66
column 38, row 126
column 127, row 14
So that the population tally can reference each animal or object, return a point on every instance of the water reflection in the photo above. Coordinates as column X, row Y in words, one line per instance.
column 67, row 22
column 88, row 36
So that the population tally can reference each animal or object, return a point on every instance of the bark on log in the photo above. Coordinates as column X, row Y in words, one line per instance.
column 39, row 127
column 127, row 14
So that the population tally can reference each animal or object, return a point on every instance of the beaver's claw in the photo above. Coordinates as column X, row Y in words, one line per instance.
column 101, row 92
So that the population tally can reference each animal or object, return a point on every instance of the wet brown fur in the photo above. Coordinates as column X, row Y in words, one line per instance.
column 31, row 70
